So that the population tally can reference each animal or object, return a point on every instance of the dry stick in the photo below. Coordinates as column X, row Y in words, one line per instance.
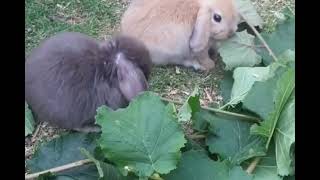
column 208, row 95
column 249, row 45
column 253, row 165
column 242, row 116
column 33, row 138
column 60, row 168
column 36, row 132
column 197, row 136
column 261, row 39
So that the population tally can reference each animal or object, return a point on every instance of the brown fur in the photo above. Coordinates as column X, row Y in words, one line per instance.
column 179, row 31
column 70, row 75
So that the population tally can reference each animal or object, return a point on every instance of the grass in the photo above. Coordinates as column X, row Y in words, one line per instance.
column 100, row 19
column 44, row 18
column 269, row 10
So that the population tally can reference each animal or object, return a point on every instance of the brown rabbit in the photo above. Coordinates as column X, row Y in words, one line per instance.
column 71, row 74
column 181, row 31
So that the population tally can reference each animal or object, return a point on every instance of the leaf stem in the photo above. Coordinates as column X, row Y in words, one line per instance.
column 253, row 165
column 33, row 139
column 197, row 136
column 242, row 116
column 250, row 46
column 60, row 168
column 260, row 38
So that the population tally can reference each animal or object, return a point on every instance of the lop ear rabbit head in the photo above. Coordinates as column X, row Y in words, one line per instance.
column 132, row 62
column 216, row 19
column 224, row 19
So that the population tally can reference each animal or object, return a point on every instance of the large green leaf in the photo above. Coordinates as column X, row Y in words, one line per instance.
column 289, row 178
column 200, row 120
column 85, row 172
column 29, row 121
column 244, row 77
column 64, row 150
column 226, row 86
column 267, row 168
column 268, row 98
column 89, row 172
column 231, row 139
column 286, row 59
column 67, row 149
column 106, row 171
column 287, row 55
column 46, row 176
column 279, row 41
column 196, row 165
column 193, row 145
column 248, row 11
column 239, row 51
column 190, row 107
column 285, row 137
column 145, row 137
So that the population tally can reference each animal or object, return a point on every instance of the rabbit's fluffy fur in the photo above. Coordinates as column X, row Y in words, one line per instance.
column 69, row 75
column 180, row 31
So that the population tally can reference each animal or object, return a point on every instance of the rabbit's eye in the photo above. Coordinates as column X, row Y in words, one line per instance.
column 217, row 17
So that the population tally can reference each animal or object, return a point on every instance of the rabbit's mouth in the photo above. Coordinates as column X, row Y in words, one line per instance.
column 220, row 35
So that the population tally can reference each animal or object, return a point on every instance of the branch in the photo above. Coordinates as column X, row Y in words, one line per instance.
column 208, row 95
column 36, row 132
column 242, row 116
column 197, row 136
column 59, row 169
column 261, row 39
column 249, row 45
column 253, row 165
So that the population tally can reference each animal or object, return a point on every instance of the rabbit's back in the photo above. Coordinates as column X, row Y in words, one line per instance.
column 164, row 26
column 61, row 81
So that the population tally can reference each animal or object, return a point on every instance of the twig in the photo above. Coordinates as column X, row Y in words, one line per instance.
column 261, row 39
column 242, row 116
column 224, row 106
column 232, row 100
column 60, row 168
column 197, row 136
column 253, row 165
column 250, row 46
column 208, row 95
column 36, row 132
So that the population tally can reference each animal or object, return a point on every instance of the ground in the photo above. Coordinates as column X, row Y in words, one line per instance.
column 100, row 19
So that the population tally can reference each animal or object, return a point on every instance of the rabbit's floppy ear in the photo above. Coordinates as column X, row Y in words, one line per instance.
column 201, row 31
column 131, row 79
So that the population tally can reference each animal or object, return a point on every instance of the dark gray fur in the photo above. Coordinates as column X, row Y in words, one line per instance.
column 70, row 75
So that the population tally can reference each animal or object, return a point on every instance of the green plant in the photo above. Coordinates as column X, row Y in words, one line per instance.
column 252, row 136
